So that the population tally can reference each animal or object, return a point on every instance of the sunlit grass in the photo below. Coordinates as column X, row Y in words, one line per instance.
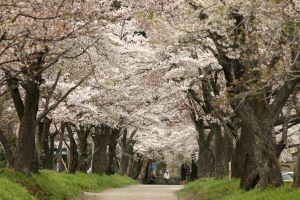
column 225, row 189
column 51, row 185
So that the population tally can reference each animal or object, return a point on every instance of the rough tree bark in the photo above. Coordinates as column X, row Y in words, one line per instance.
column 43, row 149
column 26, row 136
column 206, row 158
column 51, row 150
column 296, row 181
column 73, row 157
column 126, row 144
column 255, row 109
column 27, row 112
column 9, row 154
column 83, row 162
column 137, row 166
column 224, row 148
column 6, row 144
column 60, row 145
column 100, row 139
column 258, row 125
column 142, row 176
column 112, row 146
column 130, row 161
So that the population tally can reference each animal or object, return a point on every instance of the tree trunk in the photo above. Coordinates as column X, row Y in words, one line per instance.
column 43, row 143
column 296, row 181
column 243, row 147
column 206, row 159
column 266, row 160
column 130, row 161
column 51, row 151
column 112, row 146
column 124, row 157
column 143, row 172
column 6, row 144
column 258, row 126
column 221, row 146
column 137, row 167
column 83, row 162
column 9, row 154
column 35, row 162
column 100, row 139
column 129, row 168
column 73, row 157
column 60, row 145
column 26, row 137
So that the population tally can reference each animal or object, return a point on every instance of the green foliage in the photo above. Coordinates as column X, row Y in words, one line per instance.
column 51, row 185
column 225, row 189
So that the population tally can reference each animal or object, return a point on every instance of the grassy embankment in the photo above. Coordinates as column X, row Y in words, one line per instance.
column 51, row 185
column 225, row 189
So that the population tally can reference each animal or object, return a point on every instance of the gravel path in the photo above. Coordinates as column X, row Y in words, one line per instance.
column 137, row 192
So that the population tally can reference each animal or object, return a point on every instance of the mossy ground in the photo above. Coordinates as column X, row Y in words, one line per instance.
column 225, row 189
column 51, row 185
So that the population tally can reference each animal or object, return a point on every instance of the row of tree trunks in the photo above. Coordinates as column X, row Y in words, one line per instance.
column 256, row 110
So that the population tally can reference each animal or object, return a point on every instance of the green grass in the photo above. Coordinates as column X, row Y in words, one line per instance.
column 225, row 189
column 51, row 185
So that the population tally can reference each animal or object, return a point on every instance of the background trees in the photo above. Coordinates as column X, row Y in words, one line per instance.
column 119, row 82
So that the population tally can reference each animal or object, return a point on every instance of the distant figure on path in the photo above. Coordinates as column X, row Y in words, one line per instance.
column 151, row 178
column 167, row 177
column 188, row 172
column 183, row 174
column 111, row 170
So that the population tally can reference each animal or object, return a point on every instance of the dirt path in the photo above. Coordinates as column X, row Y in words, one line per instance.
column 137, row 192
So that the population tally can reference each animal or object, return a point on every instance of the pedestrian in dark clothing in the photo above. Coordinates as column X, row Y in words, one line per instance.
column 183, row 174
column 112, row 170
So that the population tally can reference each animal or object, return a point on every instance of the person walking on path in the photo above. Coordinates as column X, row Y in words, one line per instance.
column 183, row 174
column 167, row 177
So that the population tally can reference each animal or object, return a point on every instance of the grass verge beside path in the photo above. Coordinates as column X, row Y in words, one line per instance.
column 225, row 189
column 51, row 185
